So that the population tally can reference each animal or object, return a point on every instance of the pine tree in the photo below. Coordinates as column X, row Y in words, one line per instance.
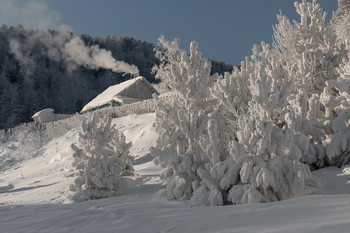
column 337, row 92
column 221, row 144
column 340, row 18
column 101, row 159
column 182, row 122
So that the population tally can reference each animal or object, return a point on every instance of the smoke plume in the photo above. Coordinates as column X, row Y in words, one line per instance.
column 77, row 53
column 60, row 44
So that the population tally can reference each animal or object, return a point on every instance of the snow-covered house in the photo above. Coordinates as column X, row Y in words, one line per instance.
column 47, row 115
column 127, row 92
column 43, row 116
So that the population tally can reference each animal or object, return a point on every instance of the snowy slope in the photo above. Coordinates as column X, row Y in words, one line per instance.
column 43, row 175
column 37, row 172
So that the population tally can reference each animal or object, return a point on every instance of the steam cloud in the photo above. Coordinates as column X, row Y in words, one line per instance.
column 94, row 57
column 61, row 45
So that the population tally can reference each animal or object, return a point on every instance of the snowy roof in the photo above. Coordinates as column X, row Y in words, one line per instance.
column 117, row 93
column 46, row 110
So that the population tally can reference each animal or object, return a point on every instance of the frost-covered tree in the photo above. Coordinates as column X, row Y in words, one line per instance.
column 183, row 121
column 262, row 150
column 341, row 21
column 247, row 136
column 218, row 144
column 101, row 158
column 311, row 56
column 292, row 73
column 337, row 92
column 338, row 150
column 307, row 49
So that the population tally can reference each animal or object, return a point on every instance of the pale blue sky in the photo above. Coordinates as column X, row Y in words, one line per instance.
column 225, row 29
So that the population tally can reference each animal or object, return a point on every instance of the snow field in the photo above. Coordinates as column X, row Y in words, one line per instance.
column 44, row 173
column 37, row 201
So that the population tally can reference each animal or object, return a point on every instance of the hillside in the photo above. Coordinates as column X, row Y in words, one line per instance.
column 33, row 193
column 263, row 148
column 63, row 71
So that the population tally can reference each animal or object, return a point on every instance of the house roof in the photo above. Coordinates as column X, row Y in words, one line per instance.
column 46, row 110
column 117, row 93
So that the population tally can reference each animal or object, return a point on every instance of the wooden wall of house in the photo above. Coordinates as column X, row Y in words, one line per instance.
column 139, row 90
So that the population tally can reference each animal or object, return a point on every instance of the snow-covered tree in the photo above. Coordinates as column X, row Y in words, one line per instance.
column 101, row 158
column 219, row 144
column 246, row 136
column 338, row 150
column 311, row 56
column 182, row 122
column 335, row 96
column 341, row 21
column 307, row 49
column 262, row 150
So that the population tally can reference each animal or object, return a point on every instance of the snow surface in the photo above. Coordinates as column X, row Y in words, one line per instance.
column 35, row 173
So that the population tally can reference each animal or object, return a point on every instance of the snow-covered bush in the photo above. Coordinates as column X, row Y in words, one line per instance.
column 252, row 134
column 182, row 120
column 335, row 96
column 261, row 150
column 341, row 22
column 338, row 150
column 101, row 158
column 307, row 49
column 217, row 141
column 311, row 56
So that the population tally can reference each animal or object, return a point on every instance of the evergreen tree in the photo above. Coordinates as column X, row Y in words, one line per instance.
column 219, row 146
column 245, row 137
column 101, row 159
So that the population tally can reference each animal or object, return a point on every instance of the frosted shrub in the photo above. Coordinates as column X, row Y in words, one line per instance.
column 341, row 21
column 182, row 121
column 338, row 150
column 101, row 158
column 312, row 56
column 336, row 94
column 252, row 135
column 261, row 152
column 218, row 144
column 307, row 49
column 336, row 99
column 268, row 161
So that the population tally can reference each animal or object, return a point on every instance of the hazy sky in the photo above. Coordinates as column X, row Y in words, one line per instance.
column 225, row 29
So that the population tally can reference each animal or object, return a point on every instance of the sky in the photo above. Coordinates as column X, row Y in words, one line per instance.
column 226, row 30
